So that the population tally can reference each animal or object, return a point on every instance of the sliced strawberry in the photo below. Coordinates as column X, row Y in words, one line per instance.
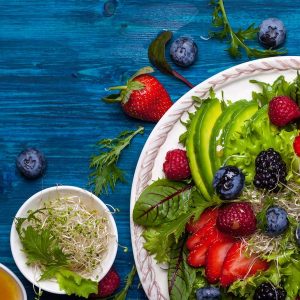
column 209, row 214
column 208, row 232
column 202, row 234
column 215, row 257
column 239, row 266
column 196, row 257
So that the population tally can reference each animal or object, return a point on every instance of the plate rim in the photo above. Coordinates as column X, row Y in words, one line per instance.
column 143, row 171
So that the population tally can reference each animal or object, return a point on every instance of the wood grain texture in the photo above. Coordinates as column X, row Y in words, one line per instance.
column 57, row 58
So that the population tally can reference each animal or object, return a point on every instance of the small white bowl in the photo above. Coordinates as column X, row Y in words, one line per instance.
column 34, row 202
column 22, row 292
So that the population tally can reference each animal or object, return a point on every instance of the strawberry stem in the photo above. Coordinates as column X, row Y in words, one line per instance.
column 120, row 87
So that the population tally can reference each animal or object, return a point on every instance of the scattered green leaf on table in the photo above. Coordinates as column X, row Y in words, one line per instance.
column 156, row 53
column 237, row 40
column 105, row 172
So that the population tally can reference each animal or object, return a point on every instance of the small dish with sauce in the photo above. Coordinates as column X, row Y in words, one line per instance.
column 10, row 286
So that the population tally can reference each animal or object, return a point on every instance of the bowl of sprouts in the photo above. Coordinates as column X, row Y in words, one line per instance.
column 64, row 240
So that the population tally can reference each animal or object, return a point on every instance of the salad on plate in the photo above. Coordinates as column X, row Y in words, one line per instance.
column 225, row 217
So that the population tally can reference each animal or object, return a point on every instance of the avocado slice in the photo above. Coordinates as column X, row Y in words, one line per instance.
column 198, row 145
column 234, row 128
column 216, row 147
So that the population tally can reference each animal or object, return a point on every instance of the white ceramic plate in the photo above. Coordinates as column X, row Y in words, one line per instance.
column 36, row 201
column 234, row 82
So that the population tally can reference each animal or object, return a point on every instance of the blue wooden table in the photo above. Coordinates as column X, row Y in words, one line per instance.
column 57, row 58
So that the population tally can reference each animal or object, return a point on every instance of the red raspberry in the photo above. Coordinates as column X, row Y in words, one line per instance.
column 236, row 219
column 283, row 110
column 296, row 145
column 108, row 285
column 176, row 165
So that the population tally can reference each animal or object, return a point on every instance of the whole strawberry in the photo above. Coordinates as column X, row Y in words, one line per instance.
column 176, row 165
column 236, row 219
column 108, row 285
column 143, row 97
column 283, row 110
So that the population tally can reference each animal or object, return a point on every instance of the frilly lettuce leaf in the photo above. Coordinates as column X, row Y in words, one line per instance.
column 278, row 88
column 259, row 134
column 72, row 283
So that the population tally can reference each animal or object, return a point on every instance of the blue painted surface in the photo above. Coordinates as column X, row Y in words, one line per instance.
column 57, row 57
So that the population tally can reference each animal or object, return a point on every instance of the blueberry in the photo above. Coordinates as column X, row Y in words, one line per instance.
column 298, row 234
column 31, row 163
column 277, row 220
column 229, row 182
column 208, row 293
column 184, row 51
column 109, row 8
column 272, row 33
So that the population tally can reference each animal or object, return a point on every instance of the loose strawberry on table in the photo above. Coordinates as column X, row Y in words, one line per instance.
column 143, row 97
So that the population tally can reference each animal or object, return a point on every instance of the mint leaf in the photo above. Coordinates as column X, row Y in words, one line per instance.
column 161, row 202
column 72, row 283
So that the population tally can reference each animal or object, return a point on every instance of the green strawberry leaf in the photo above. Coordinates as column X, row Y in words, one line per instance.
column 161, row 202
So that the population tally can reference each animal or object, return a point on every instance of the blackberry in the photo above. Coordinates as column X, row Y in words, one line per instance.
column 270, row 170
column 267, row 291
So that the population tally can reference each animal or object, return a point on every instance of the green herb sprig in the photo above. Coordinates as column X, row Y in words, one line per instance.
column 105, row 172
column 237, row 39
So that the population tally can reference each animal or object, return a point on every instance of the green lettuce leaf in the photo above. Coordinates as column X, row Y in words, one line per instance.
column 259, row 134
column 171, row 232
column 161, row 202
column 181, row 276
column 154, row 245
column 291, row 278
column 72, row 283
column 279, row 87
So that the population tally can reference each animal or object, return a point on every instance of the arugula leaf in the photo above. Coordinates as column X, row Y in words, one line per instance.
column 72, row 283
column 181, row 276
column 156, row 53
column 123, row 293
column 162, row 201
column 105, row 172
column 237, row 40
column 129, row 280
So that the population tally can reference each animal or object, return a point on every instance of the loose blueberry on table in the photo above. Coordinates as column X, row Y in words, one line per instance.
column 184, row 51
column 31, row 163
column 272, row 33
